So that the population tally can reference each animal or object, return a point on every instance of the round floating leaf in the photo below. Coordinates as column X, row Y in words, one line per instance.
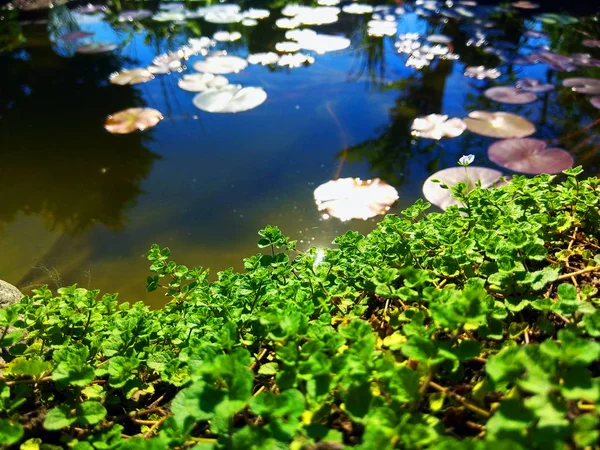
column 287, row 47
column 199, row 82
column 169, row 16
column 583, row 85
column 132, row 119
column 138, row 14
column 439, row 39
column 76, row 35
column 533, row 85
column 96, row 47
column 131, row 76
column 221, row 64
column 526, row 5
column 442, row 198
column 591, row 43
column 287, row 24
column 295, row 60
column 529, row 156
column 595, row 101
column 256, row 14
column 557, row 19
column 264, row 59
column 510, row 95
column 437, row 126
column 357, row 8
column 226, row 36
column 249, row 22
column 499, row 124
column 232, row 98
column 319, row 43
column 353, row 198
column 481, row 73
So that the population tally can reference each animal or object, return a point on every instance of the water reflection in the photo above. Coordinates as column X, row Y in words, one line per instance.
column 81, row 205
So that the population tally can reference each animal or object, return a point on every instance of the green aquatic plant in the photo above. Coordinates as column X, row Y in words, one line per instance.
column 474, row 328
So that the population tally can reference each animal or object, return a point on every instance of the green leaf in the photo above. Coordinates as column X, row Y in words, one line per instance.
column 268, row 369
column 419, row 348
column 90, row 413
column 586, row 430
column 58, row 418
column 10, row 432
column 28, row 367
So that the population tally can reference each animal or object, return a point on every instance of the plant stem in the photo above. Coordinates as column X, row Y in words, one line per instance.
column 463, row 401
column 579, row 272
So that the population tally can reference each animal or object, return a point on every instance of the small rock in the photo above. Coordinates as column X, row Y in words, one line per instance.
column 9, row 295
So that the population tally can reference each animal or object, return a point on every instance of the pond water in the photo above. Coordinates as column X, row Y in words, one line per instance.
column 79, row 204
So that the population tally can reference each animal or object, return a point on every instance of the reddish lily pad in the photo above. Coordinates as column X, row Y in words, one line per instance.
column 510, row 95
column 595, row 101
column 442, row 198
column 96, row 47
column 529, row 156
column 591, row 43
column 132, row 119
column 76, row 35
column 583, row 85
column 533, row 85
column 499, row 124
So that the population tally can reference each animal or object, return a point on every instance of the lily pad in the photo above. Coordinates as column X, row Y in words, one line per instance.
column 295, row 60
column 199, row 82
column 583, row 85
column 481, row 73
column 232, row 98
column 137, row 14
column 287, row 24
column 439, row 39
column 499, row 124
column 256, row 14
column 510, row 95
column 320, row 43
column 131, row 76
column 353, row 198
column 287, row 47
column 76, row 35
column 595, row 101
column 132, row 119
column 264, row 59
column 380, row 28
column 437, row 126
column 169, row 16
column 226, row 36
column 96, row 47
column 533, row 85
column 556, row 19
column 249, row 22
column 225, row 13
column 529, row 156
column 166, row 63
column 442, row 198
column 525, row 5
column 357, row 8
column 221, row 64
column 591, row 43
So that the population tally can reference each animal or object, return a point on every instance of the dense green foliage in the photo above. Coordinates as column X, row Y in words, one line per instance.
column 477, row 328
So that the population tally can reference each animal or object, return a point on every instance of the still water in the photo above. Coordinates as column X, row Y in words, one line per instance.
column 81, row 205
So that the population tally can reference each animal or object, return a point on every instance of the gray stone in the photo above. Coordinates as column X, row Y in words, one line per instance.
column 9, row 295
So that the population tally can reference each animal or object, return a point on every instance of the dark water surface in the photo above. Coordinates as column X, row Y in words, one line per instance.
column 81, row 205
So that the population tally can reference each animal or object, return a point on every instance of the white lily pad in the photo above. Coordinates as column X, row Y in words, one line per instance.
column 256, row 14
column 295, row 60
column 226, row 36
column 132, row 119
column 380, row 28
column 287, row 24
column 353, row 198
column 533, row 85
column 442, row 198
column 287, row 47
column 232, row 98
column 481, row 73
column 221, row 64
column 439, row 39
column 131, row 76
column 437, row 126
column 357, row 8
column 264, row 59
column 529, row 156
column 169, row 16
column 199, row 82
column 499, row 124
column 132, row 15
column 320, row 43
column 249, row 22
